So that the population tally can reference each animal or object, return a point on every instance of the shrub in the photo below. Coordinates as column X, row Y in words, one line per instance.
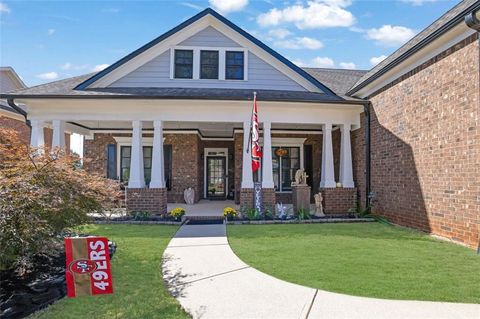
column 42, row 194
column 145, row 215
column 252, row 214
column 303, row 214
column 229, row 212
column 177, row 213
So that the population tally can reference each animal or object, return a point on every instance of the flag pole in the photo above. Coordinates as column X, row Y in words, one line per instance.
column 251, row 123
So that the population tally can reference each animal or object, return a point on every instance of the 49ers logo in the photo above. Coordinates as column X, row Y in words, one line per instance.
column 82, row 266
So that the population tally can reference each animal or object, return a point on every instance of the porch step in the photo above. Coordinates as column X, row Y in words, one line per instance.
column 204, row 220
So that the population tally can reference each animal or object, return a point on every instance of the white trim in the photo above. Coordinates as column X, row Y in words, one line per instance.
column 165, row 132
column 196, row 61
column 127, row 141
column 205, row 154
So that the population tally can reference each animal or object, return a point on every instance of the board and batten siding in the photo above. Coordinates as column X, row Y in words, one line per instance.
column 156, row 73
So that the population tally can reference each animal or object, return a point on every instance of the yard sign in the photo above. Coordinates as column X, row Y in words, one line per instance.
column 88, row 266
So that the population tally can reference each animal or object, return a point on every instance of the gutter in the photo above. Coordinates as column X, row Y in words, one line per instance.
column 14, row 106
column 366, row 108
column 472, row 20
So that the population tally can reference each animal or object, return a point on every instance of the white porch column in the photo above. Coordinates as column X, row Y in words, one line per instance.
column 328, row 173
column 58, row 139
column 267, row 169
column 346, row 172
column 247, row 175
column 137, row 178
column 36, row 138
column 158, row 173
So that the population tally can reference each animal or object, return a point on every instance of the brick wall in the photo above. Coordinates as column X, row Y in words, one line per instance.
column 358, row 161
column 338, row 200
column 426, row 146
column 95, row 153
column 153, row 200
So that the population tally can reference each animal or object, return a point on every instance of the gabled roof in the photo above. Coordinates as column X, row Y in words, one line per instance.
column 338, row 79
column 85, row 84
column 447, row 21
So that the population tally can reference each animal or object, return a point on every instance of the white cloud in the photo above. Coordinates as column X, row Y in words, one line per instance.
column 51, row 31
column 100, row 67
column 192, row 5
column 66, row 66
column 299, row 43
column 47, row 76
column 4, row 8
column 348, row 65
column 227, row 6
column 318, row 62
column 317, row 14
column 279, row 33
column 377, row 59
column 389, row 35
column 322, row 62
column 418, row 2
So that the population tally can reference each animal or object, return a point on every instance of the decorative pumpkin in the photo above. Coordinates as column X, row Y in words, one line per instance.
column 280, row 152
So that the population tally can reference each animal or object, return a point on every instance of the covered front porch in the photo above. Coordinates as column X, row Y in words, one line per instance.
column 159, row 148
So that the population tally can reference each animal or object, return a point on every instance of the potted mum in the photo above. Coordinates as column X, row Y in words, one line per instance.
column 177, row 213
column 229, row 213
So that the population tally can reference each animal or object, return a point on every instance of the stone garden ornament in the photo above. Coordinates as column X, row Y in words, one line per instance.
column 318, row 205
column 300, row 177
column 189, row 196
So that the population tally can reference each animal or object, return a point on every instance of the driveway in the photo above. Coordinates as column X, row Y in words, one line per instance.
column 210, row 281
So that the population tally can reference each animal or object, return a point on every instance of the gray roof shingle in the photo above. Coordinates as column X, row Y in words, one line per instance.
column 334, row 79
column 456, row 13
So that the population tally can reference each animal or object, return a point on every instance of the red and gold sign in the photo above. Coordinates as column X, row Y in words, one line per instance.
column 88, row 266
column 280, row 152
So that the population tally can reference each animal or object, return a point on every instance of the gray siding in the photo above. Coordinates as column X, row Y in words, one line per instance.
column 209, row 37
column 156, row 73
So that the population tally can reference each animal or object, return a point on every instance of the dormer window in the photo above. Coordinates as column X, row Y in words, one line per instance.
column 183, row 64
column 208, row 64
column 234, row 65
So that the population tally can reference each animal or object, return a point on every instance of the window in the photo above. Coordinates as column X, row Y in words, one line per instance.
column 284, row 167
column 208, row 64
column 234, row 61
column 183, row 64
column 125, row 156
column 112, row 161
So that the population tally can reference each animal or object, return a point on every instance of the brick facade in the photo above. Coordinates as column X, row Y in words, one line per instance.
column 269, row 198
column 425, row 146
column 153, row 200
column 246, row 197
column 338, row 200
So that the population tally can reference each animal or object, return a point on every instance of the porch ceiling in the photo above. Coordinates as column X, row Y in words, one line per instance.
column 213, row 129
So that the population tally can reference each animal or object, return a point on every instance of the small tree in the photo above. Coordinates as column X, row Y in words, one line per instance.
column 42, row 193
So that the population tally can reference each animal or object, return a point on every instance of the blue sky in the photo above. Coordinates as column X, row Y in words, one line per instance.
column 50, row 40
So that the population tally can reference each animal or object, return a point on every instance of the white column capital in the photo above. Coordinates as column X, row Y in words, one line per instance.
column 327, row 126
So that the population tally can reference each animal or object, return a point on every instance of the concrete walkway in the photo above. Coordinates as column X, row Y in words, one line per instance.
column 210, row 281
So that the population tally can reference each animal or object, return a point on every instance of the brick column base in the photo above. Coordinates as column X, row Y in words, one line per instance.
column 338, row 200
column 301, row 197
column 246, row 197
column 153, row 200
column 269, row 198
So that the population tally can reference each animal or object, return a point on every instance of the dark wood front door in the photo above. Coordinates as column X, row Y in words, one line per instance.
column 216, row 177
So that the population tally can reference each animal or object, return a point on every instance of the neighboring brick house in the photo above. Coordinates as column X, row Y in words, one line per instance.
column 15, row 119
column 175, row 114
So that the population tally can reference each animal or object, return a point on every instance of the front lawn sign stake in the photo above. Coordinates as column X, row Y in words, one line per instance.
column 88, row 266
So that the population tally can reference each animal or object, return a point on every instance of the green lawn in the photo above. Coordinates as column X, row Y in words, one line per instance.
column 139, row 290
column 373, row 260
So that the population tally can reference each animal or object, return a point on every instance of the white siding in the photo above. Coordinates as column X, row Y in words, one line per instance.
column 156, row 73
column 209, row 37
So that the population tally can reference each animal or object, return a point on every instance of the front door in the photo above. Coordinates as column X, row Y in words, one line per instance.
column 216, row 179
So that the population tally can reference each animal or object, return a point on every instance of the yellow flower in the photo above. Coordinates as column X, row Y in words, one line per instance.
column 229, row 212
column 177, row 212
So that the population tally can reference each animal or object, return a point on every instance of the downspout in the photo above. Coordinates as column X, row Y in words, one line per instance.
column 366, row 110
column 14, row 106
column 472, row 20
